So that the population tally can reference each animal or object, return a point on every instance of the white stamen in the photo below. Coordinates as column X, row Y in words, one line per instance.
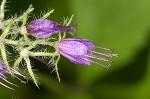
column 105, row 54
column 101, row 64
column 10, row 82
column 97, row 57
column 16, row 72
column 6, row 86
column 24, row 82
column 111, row 50
column 19, row 75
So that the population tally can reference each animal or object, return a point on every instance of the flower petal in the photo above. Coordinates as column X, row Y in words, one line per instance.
column 77, row 60
column 3, row 67
column 72, row 48
column 86, row 42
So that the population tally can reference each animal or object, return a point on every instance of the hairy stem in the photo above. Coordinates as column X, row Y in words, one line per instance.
column 17, row 62
column 2, row 8
column 30, row 70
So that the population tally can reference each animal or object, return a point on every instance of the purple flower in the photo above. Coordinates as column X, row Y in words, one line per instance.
column 4, row 69
column 81, row 51
column 44, row 28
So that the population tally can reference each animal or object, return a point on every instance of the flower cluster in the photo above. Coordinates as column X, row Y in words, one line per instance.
column 28, row 39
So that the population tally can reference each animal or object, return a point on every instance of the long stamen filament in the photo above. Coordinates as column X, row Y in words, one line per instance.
column 20, row 79
column 6, row 86
column 10, row 82
column 111, row 50
column 105, row 54
column 100, row 64
column 98, row 58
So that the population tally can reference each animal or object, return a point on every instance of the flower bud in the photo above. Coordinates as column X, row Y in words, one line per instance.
column 44, row 28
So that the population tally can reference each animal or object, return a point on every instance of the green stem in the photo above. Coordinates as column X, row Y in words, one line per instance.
column 67, row 24
column 47, row 14
column 70, row 20
column 56, row 67
column 29, row 10
column 59, row 37
column 42, row 42
column 4, row 34
column 17, row 62
column 2, row 12
column 64, row 35
column 35, row 43
column 26, row 38
column 25, row 16
column 7, row 41
column 43, row 54
column 30, row 70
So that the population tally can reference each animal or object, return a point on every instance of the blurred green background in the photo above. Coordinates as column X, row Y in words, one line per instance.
column 123, row 25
